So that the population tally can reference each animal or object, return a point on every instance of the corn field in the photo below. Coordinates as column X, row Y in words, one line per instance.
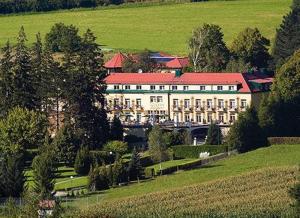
column 262, row 193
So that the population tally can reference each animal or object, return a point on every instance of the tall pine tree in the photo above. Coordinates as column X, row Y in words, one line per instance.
column 287, row 39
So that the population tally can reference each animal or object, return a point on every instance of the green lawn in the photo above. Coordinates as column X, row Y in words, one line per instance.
column 274, row 156
column 164, row 28
column 170, row 163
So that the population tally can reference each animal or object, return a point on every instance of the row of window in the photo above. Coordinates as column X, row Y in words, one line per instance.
column 173, row 87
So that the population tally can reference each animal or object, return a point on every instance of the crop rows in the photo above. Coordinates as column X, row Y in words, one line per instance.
column 262, row 193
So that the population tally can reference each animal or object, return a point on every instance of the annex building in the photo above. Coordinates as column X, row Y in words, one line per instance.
column 198, row 98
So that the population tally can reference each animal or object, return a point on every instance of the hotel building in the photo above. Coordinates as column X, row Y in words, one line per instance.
column 198, row 98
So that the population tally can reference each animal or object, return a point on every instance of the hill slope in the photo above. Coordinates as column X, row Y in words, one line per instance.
column 164, row 28
column 263, row 193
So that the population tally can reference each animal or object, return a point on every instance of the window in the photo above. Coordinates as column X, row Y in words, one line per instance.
column 209, row 118
column 231, row 103
column 221, row 118
column 138, row 103
column 138, row 87
column 116, row 87
column 116, row 102
column 202, row 88
column 127, row 87
column 198, row 118
column 174, row 87
column 221, row 103
column 231, row 88
column 161, row 87
column 187, row 117
column 127, row 103
column 243, row 103
column 185, row 88
column 232, row 118
column 186, row 103
column 152, row 87
column 138, row 117
column 209, row 103
column 159, row 99
column 152, row 99
column 219, row 88
column 175, row 103
column 198, row 103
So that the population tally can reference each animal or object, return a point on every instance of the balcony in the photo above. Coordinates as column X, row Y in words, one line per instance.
column 176, row 108
column 243, row 108
column 199, row 109
column 127, row 108
column 188, row 109
column 139, row 108
column 210, row 108
column 232, row 108
column 221, row 108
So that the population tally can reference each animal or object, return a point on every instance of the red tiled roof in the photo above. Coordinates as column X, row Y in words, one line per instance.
column 116, row 61
column 178, row 63
column 184, row 79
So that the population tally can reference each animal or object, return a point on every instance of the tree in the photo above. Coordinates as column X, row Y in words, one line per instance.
column 119, row 172
column 117, row 147
column 44, row 172
column 130, row 65
column 22, row 129
column 12, row 178
column 97, row 179
column 82, row 161
column 245, row 134
column 157, row 145
column 67, row 144
column 63, row 38
column 287, row 39
column 135, row 169
column 208, row 51
column 214, row 135
column 24, row 94
column 6, row 80
column 237, row 65
column 116, row 129
column 251, row 47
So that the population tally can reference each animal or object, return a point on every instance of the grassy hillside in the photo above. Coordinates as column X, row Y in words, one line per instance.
column 263, row 193
column 273, row 156
column 165, row 28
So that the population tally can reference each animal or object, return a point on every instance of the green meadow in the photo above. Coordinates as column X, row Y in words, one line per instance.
column 157, row 27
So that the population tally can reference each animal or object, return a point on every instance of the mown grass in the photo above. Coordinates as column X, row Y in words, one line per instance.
column 262, row 193
column 273, row 156
column 164, row 27
column 170, row 163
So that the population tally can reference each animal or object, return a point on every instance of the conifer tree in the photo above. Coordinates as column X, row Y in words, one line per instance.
column 157, row 145
column 116, row 129
column 135, row 169
column 214, row 135
column 83, row 161
column 24, row 94
column 6, row 80
column 287, row 39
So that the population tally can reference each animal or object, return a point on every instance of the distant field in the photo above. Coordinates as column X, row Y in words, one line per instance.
column 164, row 28
column 274, row 156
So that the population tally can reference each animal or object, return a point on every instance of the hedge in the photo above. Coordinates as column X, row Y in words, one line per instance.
column 189, row 151
column 284, row 140
column 101, row 156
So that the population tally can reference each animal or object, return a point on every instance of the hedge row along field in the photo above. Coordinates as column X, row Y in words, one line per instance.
column 262, row 193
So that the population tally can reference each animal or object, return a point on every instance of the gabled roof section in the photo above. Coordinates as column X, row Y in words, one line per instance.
column 184, row 79
column 178, row 63
column 116, row 61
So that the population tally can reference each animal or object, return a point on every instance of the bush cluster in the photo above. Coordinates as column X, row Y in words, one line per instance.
column 187, row 151
column 284, row 140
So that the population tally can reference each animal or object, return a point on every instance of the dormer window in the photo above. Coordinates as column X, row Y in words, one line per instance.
column 161, row 87
column 127, row 87
column 138, row 87
column 219, row 88
column 174, row 87
column 202, row 88
column 116, row 87
column 152, row 87
column 231, row 88
column 185, row 88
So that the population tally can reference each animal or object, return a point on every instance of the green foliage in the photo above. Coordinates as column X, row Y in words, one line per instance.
column 188, row 151
column 22, row 129
column 173, row 138
column 117, row 147
column 237, row 65
column 116, row 129
column 83, row 161
column 246, row 134
column 119, row 174
column 98, row 179
column 44, row 172
column 251, row 47
column 214, row 135
column 287, row 36
column 157, row 145
column 63, row 38
column 208, row 52
column 12, row 178
column 135, row 169
column 67, row 144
